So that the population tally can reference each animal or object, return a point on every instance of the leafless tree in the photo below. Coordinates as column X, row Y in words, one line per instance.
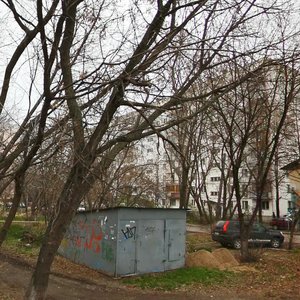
column 253, row 117
column 95, row 62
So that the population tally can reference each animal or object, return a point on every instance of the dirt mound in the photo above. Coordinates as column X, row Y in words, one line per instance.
column 225, row 257
column 220, row 258
column 202, row 258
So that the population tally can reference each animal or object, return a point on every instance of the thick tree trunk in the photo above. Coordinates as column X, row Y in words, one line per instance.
column 54, row 235
column 244, row 250
column 39, row 281
column 245, row 256
column 68, row 202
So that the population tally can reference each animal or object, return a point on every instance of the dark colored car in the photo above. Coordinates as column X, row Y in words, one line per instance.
column 284, row 223
column 227, row 233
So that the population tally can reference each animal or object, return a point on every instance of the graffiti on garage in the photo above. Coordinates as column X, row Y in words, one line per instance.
column 129, row 232
column 122, row 241
column 88, row 235
column 91, row 237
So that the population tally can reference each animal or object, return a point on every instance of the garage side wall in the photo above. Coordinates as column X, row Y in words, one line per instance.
column 91, row 240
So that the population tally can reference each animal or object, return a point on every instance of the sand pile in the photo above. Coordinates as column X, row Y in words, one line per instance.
column 220, row 258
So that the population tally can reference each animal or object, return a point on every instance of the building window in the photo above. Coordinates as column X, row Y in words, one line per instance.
column 245, row 172
column 215, row 178
column 291, row 205
column 172, row 202
column 214, row 193
column 149, row 150
column 245, row 205
column 265, row 205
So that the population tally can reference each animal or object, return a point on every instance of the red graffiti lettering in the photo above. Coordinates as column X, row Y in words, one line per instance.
column 94, row 241
column 87, row 236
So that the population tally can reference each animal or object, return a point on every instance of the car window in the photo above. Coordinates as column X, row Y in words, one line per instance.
column 220, row 224
column 258, row 227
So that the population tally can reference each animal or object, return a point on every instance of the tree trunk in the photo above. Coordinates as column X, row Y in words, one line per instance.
column 294, row 223
column 53, row 237
column 202, row 212
column 277, row 201
column 244, row 251
column 244, row 245
column 39, row 281
column 277, row 183
column 233, row 212
column 220, row 203
column 75, row 187
column 290, row 246
column 259, row 200
column 183, row 189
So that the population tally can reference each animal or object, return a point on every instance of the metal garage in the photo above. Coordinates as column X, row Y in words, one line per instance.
column 125, row 241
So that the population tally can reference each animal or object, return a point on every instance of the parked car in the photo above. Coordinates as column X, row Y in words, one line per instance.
column 283, row 223
column 227, row 233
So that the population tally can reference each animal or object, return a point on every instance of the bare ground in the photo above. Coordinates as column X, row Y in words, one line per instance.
column 276, row 275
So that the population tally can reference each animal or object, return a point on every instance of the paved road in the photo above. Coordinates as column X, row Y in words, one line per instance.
column 206, row 228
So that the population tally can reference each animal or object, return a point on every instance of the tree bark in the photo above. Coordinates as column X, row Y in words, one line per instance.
column 69, row 200
column 183, row 188
column 294, row 223
column 244, row 243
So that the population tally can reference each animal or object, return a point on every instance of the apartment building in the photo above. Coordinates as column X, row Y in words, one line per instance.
column 211, row 181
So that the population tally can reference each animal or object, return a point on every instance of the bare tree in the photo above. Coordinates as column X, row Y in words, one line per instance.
column 258, row 110
column 95, row 63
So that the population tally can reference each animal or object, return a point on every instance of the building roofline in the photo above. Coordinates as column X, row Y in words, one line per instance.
column 294, row 165
column 134, row 208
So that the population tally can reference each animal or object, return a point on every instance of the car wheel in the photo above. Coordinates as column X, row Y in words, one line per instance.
column 237, row 244
column 275, row 243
